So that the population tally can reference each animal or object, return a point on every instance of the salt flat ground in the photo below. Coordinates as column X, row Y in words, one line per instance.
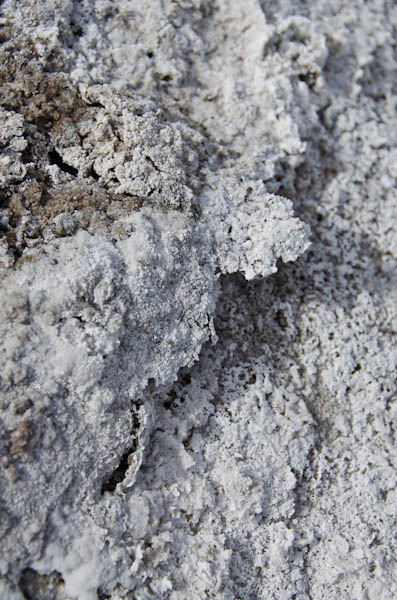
column 195, row 402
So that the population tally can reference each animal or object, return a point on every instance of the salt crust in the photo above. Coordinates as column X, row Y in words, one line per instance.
column 163, row 159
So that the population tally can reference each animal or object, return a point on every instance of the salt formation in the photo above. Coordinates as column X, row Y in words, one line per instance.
column 178, row 418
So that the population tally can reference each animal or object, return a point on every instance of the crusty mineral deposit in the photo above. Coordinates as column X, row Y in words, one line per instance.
column 198, row 309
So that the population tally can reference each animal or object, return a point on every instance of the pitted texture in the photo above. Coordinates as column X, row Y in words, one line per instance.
column 174, row 423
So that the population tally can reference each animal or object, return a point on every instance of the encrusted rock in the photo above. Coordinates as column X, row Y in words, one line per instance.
column 174, row 423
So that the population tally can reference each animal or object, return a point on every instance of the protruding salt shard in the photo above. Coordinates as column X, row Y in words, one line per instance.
column 252, row 228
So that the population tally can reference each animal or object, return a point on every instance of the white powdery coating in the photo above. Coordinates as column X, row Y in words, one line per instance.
column 82, row 334
column 92, row 319
column 268, row 469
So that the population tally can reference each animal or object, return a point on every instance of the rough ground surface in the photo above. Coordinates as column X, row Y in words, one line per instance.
column 179, row 420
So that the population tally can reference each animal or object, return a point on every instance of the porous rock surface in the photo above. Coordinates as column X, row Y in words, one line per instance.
column 175, row 422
